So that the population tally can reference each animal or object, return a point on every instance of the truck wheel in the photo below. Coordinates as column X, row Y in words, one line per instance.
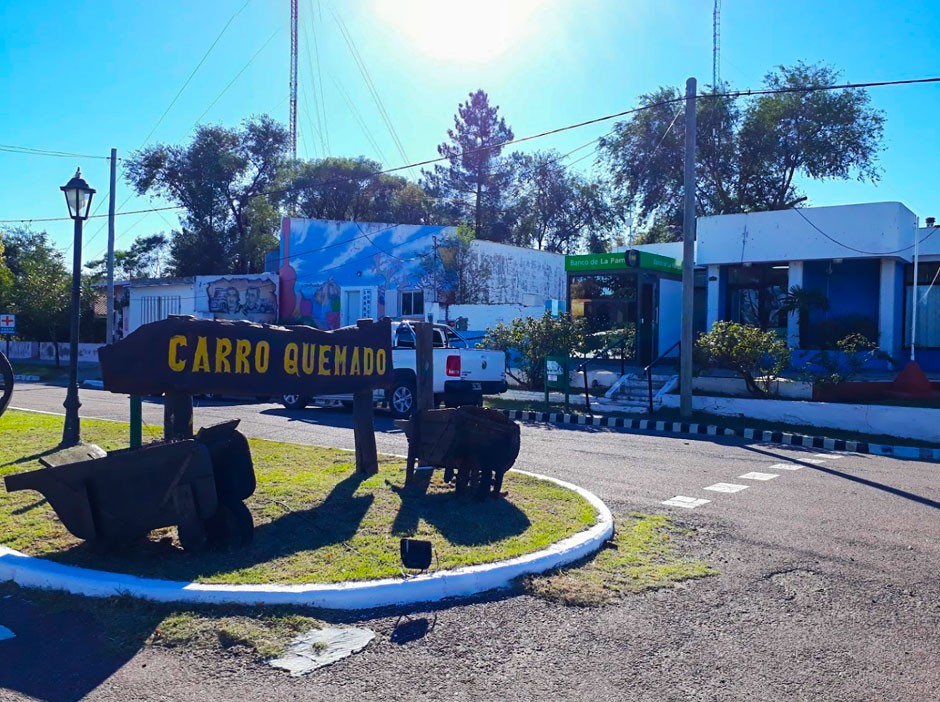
column 294, row 402
column 401, row 399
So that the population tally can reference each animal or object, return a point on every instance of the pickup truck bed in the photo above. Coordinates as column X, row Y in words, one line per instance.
column 462, row 375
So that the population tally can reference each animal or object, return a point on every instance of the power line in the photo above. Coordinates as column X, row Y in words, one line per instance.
column 27, row 151
column 861, row 251
column 237, row 76
column 191, row 75
column 364, row 71
column 531, row 137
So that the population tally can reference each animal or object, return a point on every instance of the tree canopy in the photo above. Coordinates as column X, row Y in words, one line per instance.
column 749, row 156
column 230, row 183
column 555, row 209
column 146, row 258
column 347, row 188
column 473, row 182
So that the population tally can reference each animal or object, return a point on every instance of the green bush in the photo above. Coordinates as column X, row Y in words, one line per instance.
column 757, row 355
column 528, row 340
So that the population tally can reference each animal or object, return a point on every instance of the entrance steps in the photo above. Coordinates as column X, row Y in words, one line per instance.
column 632, row 390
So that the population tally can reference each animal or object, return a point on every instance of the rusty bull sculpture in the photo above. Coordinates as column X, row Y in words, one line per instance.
column 474, row 446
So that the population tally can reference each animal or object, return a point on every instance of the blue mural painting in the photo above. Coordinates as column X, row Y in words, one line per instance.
column 319, row 258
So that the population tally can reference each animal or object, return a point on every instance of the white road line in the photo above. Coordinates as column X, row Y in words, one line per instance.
column 726, row 487
column 687, row 502
column 758, row 476
column 833, row 456
column 815, row 461
column 785, row 466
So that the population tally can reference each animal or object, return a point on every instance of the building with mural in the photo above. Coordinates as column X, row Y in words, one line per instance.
column 252, row 297
column 335, row 272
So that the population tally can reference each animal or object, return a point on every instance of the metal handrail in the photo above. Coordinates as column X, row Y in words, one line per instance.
column 582, row 367
column 649, row 371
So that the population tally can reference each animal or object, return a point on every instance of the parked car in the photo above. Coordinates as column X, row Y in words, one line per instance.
column 462, row 375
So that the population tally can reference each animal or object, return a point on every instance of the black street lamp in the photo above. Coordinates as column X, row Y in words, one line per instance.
column 78, row 196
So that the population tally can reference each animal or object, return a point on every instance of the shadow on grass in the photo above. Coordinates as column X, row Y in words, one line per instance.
column 32, row 457
column 463, row 521
column 335, row 520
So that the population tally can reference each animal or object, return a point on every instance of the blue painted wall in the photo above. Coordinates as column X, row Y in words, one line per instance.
column 320, row 257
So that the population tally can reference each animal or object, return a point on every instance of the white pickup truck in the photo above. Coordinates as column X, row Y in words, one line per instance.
column 462, row 375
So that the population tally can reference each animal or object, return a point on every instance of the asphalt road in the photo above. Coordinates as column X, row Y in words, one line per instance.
column 827, row 587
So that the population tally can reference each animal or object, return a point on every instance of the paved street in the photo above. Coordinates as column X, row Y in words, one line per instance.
column 827, row 587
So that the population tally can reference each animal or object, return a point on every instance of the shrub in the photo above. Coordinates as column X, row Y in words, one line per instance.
column 757, row 355
column 855, row 351
column 528, row 340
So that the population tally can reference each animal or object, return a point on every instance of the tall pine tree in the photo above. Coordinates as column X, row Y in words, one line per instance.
column 475, row 177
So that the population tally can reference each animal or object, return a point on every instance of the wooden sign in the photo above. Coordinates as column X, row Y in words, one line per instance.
column 194, row 356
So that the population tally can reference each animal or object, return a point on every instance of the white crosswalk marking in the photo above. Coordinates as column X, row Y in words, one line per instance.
column 785, row 466
column 833, row 456
column 758, row 476
column 726, row 487
column 687, row 502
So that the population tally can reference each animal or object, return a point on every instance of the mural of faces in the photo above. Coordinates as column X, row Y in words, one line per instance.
column 243, row 298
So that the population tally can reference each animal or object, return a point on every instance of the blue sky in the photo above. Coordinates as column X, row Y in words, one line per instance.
column 84, row 76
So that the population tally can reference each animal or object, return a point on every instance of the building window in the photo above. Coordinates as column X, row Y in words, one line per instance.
column 755, row 295
column 154, row 308
column 412, row 303
column 928, row 304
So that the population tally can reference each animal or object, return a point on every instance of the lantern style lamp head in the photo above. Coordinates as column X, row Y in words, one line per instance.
column 78, row 196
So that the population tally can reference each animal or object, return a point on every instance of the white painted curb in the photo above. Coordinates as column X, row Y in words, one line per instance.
column 431, row 587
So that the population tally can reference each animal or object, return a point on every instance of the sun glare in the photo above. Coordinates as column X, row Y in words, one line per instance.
column 460, row 31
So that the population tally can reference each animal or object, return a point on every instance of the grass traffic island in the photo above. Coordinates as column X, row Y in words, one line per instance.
column 317, row 521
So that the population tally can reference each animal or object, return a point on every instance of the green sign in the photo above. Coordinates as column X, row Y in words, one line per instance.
column 594, row 262
column 634, row 258
column 556, row 372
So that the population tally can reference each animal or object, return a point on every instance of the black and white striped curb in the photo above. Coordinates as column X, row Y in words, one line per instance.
column 774, row 437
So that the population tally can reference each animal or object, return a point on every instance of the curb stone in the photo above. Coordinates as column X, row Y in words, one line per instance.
column 776, row 437
column 434, row 586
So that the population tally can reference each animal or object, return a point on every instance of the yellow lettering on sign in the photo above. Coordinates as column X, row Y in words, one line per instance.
column 324, row 360
column 174, row 361
column 223, row 348
column 380, row 362
column 354, row 363
column 201, row 357
column 262, row 356
column 242, row 351
column 339, row 360
column 309, row 358
column 368, row 360
column 290, row 358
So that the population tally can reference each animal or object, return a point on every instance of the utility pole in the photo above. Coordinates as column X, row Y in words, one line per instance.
column 688, row 255
column 293, row 79
column 109, row 334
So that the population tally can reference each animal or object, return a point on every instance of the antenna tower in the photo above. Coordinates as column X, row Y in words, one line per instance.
column 716, row 36
column 293, row 79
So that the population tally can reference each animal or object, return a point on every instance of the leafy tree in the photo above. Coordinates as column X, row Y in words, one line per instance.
column 230, row 182
column 759, row 356
column 146, row 258
column 475, row 177
column 41, row 295
column 556, row 210
column 454, row 273
column 748, row 158
column 346, row 188
column 531, row 339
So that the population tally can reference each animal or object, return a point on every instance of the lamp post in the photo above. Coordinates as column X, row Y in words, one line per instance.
column 78, row 196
